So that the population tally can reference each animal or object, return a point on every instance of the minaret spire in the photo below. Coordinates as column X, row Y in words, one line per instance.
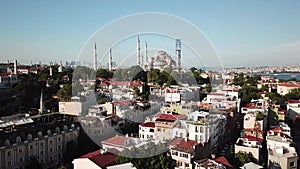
column 95, row 57
column 138, row 48
column 110, row 60
column 146, row 52
column 41, row 103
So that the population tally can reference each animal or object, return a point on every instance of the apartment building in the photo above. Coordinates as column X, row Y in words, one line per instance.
column 47, row 143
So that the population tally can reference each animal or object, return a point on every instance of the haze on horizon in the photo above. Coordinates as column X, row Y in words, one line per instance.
column 251, row 33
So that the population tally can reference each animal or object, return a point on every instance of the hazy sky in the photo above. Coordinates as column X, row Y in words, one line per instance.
column 243, row 33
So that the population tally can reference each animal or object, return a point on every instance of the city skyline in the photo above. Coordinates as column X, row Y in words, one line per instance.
column 262, row 33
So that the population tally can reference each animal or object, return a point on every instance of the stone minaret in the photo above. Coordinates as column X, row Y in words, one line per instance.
column 110, row 60
column 15, row 66
column 41, row 103
column 138, row 51
column 95, row 57
column 146, row 52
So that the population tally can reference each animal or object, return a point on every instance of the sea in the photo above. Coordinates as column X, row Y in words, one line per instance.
column 283, row 76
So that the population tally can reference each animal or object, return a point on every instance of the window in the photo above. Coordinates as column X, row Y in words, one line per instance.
column 30, row 147
column 9, row 163
column 201, row 129
column 21, row 159
column 41, row 144
column 20, row 150
column 196, row 129
column 8, row 153
column 151, row 130
column 185, row 155
column 292, row 164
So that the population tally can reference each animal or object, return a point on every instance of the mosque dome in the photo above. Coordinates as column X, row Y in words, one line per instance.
column 161, row 60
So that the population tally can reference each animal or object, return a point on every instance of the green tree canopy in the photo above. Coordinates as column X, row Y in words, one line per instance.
column 65, row 93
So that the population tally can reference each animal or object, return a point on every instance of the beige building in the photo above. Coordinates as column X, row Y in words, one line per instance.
column 280, row 154
column 48, row 145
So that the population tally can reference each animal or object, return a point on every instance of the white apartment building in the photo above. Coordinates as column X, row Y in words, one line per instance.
column 249, row 144
column 182, row 151
column 147, row 130
column 204, row 126
column 280, row 153
column 285, row 88
column 293, row 108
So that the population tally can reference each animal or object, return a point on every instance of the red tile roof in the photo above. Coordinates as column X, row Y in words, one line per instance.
column 5, row 74
column 116, row 141
column 293, row 101
column 148, row 124
column 252, row 138
column 166, row 117
column 136, row 83
column 224, row 161
column 288, row 85
column 181, row 144
column 103, row 160
column 123, row 102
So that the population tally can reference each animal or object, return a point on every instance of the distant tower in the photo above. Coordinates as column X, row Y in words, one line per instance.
column 50, row 71
column 138, row 51
column 95, row 57
column 15, row 66
column 41, row 103
column 142, row 64
column 178, row 53
column 110, row 60
column 146, row 52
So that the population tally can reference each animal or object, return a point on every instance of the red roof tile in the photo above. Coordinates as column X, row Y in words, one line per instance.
column 102, row 160
column 293, row 101
column 117, row 141
column 148, row 124
column 122, row 102
column 166, row 117
column 181, row 144
column 224, row 161
column 252, row 138
column 288, row 85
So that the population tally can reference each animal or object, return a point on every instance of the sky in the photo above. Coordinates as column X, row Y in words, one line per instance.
column 248, row 33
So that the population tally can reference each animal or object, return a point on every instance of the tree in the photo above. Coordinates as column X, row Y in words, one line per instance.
column 82, row 72
column 294, row 94
column 275, row 97
column 242, row 158
column 65, row 93
column 104, row 73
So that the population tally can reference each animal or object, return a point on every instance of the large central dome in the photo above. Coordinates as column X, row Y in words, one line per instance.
column 162, row 60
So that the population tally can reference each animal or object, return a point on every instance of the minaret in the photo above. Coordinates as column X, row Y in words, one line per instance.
column 15, row 66
column 110, row 60
column 142, row 64
column 178, row 53
column 50, row 71
column 41, row 103
column 146, row 52
column 138, row 51
column 95, row 57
